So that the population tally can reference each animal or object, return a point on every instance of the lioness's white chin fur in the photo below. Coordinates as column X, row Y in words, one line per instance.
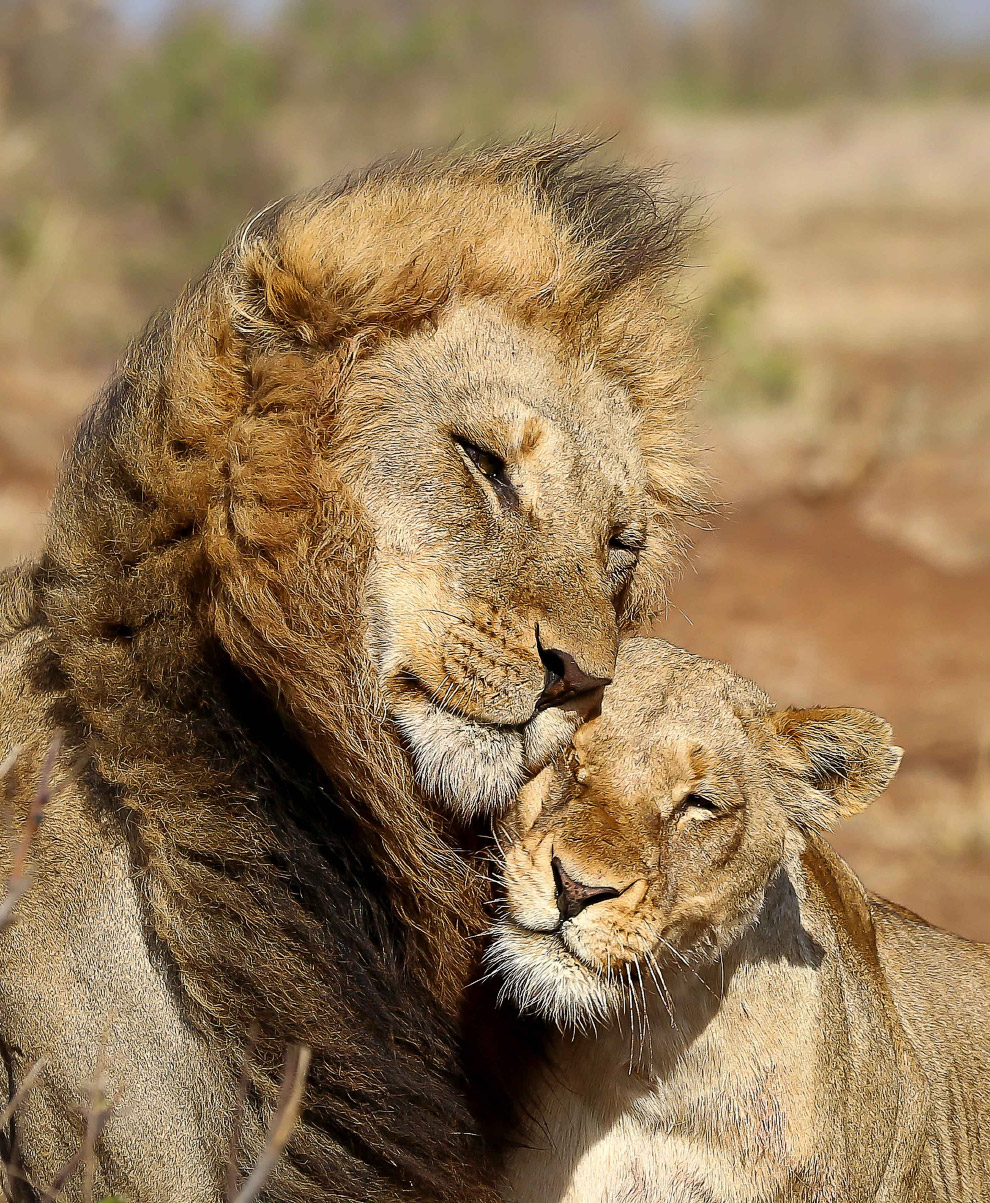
column 474, row 767
column 542, row 978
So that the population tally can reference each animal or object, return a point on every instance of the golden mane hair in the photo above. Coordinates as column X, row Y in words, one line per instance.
column 201, row 576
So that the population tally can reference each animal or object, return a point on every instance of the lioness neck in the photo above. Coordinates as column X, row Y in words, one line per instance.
column 708, row 1092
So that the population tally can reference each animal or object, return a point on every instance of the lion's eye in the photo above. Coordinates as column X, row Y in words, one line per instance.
column 491, row 466
column 627, row 542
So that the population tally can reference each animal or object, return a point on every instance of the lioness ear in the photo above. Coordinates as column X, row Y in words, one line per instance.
column 844, row 755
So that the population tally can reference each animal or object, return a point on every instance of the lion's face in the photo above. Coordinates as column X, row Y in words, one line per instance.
column 506, row 494
column 653, row 846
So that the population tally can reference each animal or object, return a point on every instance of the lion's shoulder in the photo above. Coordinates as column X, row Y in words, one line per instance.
column 22, row 713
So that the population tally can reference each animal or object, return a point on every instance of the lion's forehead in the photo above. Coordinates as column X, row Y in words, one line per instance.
column 562, row 411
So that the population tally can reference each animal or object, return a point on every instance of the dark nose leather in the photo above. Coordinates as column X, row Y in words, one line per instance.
column 574, row 896
column 565, row 679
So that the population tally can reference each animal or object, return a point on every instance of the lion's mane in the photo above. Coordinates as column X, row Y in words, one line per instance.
column 197, row 634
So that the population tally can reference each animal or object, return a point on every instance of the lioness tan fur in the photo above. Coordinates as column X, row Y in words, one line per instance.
column 739, row 1019
column 341, row 553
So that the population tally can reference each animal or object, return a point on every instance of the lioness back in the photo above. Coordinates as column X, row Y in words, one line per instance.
column 940, row 984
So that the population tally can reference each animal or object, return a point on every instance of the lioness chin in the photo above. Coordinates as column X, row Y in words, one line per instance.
column 739, row 1020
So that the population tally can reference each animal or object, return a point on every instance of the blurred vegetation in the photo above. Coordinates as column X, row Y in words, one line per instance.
column 745, row 371
column 127, row 155
column 841, row 311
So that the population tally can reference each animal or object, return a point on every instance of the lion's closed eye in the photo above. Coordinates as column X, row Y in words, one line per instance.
column 490, row 467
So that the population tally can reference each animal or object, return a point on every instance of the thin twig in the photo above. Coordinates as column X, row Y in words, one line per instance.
column 29, row 1080
column 283, row 1121
column 94, row 1129
column 19, row 879
column 99, row 1107
column 10, row 760
column 235, row 1133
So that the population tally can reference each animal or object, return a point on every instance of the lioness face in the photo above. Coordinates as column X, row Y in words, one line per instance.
column 506, row 492
column 653, row 845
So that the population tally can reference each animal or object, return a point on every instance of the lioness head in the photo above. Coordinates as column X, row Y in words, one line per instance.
column 655, row 840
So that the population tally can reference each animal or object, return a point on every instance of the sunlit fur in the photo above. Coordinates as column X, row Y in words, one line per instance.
column 292, row 634
column 618, row 812
column 743, row 1021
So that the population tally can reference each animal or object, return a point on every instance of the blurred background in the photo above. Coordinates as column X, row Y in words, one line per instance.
column 840, row 295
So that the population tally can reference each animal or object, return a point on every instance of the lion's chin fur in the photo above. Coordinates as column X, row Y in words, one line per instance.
column 471, row 767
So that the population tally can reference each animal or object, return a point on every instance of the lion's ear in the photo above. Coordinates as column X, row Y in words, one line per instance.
column 844, row 755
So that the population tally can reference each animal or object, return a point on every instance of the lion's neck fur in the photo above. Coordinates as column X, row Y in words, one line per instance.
column 269, row 875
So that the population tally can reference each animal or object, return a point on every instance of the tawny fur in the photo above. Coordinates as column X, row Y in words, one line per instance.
column 248, row 844
column 741, row 1020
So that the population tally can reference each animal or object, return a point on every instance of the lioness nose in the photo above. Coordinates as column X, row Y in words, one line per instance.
column 573, row 896
column 565, row 679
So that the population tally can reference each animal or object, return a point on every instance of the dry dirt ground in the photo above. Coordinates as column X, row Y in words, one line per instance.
column 852, row 562
column 799, row 597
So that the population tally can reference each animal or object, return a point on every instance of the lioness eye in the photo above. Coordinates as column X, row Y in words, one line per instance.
column 491, row 466
column 699, row 802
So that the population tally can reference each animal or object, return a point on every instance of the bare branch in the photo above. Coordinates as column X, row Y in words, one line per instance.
column 19, row 878
column 235, row 1133
column 283, row 1121
column 10, row 760
column 21, row 1093
column 94, row 1127
column 99, row 1111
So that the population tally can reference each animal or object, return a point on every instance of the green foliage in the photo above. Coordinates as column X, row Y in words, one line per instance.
column 184, row 118
column 20, row 231
column 743, row 370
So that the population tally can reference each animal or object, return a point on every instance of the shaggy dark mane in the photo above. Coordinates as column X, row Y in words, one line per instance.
column 197, row 645
column 17, row 600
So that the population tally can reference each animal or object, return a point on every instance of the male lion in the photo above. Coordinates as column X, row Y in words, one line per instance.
column 762, row 1028
column 341, row 554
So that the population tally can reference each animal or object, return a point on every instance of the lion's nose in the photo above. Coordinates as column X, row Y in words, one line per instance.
column 565, row 679
column 573, row 896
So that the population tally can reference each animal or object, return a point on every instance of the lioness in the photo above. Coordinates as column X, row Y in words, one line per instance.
column 741, row 1020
